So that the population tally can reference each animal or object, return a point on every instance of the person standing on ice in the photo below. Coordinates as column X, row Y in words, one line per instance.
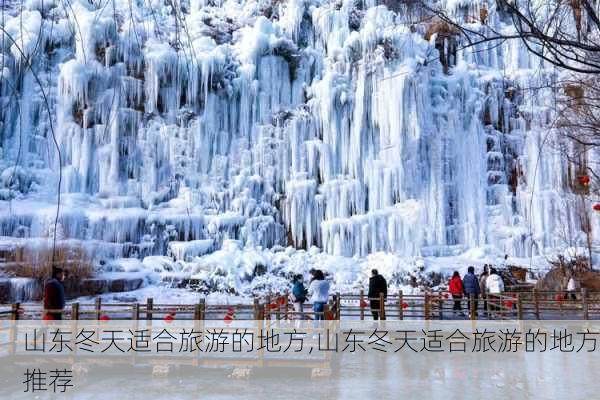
column 471, row 288
column 377, row 286
column 54, row 294
column 319, row 293
column 455, row 287
column 298, row 295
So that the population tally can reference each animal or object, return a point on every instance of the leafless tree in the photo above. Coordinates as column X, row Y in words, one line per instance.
column 565, row 33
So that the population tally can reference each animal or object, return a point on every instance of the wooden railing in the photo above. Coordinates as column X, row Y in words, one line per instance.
column 430, row 305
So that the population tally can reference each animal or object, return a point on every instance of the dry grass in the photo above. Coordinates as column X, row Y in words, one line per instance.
column 38, row 263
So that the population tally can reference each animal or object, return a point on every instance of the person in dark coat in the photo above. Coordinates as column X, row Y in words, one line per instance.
column 54, row 294
column 471, row 287
column 377, row 285
column 298, row 295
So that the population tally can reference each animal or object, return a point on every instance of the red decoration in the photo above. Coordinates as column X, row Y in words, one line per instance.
column 104, row 317
column 363, row 304
column 584, row 180
column 596, row 207
column 405, row 305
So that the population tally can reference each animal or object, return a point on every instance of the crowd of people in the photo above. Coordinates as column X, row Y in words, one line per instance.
column 473, row 287
column 318, row 293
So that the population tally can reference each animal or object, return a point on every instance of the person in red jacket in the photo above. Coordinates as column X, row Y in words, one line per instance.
column 455, row 287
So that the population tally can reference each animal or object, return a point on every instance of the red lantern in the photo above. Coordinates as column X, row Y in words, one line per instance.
column 405, row 305
column 596, row 207
column 104, row 317
column 584, row 180
column 363, row 304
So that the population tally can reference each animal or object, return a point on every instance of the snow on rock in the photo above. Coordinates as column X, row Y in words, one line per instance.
column 219, row 132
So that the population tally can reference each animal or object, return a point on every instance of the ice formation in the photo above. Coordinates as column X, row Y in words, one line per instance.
column 349, row 125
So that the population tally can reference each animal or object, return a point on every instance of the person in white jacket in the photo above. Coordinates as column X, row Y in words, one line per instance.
column 319, row 293
column 571, row 289
column 493, row 286
column 494, row 283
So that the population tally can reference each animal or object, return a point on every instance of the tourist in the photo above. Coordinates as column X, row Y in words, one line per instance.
column 319, row 293
column 455, row 287
column 494, row 287
column 571, row 289
column 54, row 294
column 377, row 286
column 471, row 288
column 298, row 295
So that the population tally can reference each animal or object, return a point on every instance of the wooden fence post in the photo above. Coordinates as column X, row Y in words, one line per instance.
column 536, row 301
column 400, row 305
column 381, row 307
column 98, row 307
column 268, row 308
column 361, row 304
column 426, row 306
column 519, row 307
column 136, row 311
column 286, row 314
column 197, row 311
column 75, row 311
column 584, row 304
column 15, row 311
column 202, row 309
column 149, row 305
column 278, row 309
column 257, row 312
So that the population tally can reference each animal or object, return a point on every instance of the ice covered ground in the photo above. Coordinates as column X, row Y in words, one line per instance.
column 362, row 128
column 234, row 275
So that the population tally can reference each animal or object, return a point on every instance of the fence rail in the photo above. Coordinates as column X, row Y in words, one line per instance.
column 430, row 305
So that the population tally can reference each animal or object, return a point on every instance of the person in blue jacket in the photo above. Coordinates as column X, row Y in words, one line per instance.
column 471, row 287
column 298, row 295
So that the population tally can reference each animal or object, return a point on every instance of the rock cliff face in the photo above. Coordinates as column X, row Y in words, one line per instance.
column 357, row 126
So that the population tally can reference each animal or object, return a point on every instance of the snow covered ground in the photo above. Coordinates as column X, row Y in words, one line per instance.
column 200, row 139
